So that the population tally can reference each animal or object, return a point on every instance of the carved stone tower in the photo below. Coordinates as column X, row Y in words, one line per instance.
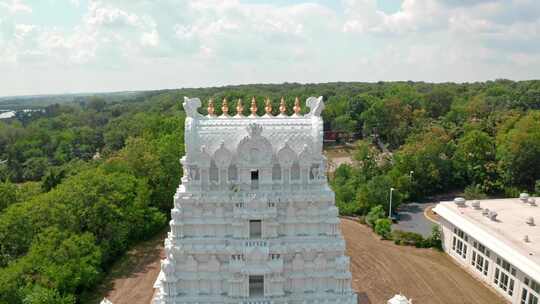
column 254, row 220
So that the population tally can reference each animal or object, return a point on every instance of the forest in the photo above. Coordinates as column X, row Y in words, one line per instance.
column 82, row 182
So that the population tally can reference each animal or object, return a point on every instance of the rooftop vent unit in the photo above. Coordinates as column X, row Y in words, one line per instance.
column 526, row 239
column 530, row 221
column 524, row 197
column 485, row 212
column 459, row 201
column 532, row 202
column 476, row 205
column 492, row 215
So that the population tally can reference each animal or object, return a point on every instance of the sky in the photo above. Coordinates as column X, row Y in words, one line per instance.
column 69, row 46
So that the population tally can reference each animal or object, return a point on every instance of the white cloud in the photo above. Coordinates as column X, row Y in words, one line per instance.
column 231, row 41
column 15, row 6
column 150, row 38
column 101, row 15
column 21, row 30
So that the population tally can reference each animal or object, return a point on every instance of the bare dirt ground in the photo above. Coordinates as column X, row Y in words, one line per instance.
column 131, row 279
column 380, row 270
column 338, row 155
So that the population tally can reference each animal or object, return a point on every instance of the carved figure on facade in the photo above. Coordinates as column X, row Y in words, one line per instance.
column 191, row 106
column 315, row 105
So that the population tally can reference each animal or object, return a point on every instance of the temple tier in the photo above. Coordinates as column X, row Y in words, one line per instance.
column 254, row 220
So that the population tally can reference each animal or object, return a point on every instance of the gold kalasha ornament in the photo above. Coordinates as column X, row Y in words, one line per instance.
column 268, row 107
column 239, row 107
column 211, row 108
column 253, row 106
column 297, row 107
column 282, row 107
column 225, row 107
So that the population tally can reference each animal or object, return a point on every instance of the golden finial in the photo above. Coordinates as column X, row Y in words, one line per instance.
column 225, row 107
column 282, row 107
column 268, row 107
column 297, row 107
column 211, row 108
column 253, row 107
column 239, row 107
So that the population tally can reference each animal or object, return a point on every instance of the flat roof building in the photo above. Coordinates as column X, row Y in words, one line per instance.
column 498, row 241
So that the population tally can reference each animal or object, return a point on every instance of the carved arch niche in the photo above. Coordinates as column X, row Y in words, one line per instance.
column 287, row 160
column 204, row 161
column 305, row 160
column 222, row 160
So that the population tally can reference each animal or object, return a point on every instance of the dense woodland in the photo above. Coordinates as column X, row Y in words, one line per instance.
column 81, row 182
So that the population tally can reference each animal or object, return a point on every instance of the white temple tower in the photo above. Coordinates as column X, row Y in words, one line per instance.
column 254, row 220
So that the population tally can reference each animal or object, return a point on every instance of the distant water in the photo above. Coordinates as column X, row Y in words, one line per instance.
column 5, row 115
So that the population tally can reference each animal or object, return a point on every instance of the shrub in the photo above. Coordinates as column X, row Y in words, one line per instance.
column 511, row 191
column 435, row 240
column 374, row 214
column 348, row 209
column 537, row 187
column 474, row 192
column 383, row 227
column 362, row 220
column 401, row 237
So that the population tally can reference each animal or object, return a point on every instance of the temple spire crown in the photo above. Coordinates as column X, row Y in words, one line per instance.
column 282, row 107
column 268, row 107
column 297, row 108
column 253, row 107
column 225, row 107
column 239, row 108
column 211, row 108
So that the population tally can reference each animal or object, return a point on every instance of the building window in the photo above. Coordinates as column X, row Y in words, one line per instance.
column 255, row 229
column 480, row 263
column 531, row 292
column 459, row 247
column 256, row 286
column 254, row 179
column 459, row 243
column 479, row 258
column 504, row 276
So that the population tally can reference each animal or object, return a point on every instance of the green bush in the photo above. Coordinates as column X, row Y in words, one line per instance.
column 383, row 227
column 362, row 220
column 374, row 214
column 537, row 187
column 435, row 240
column 511, row 191
column 472, row 192
column 401, row 237
column 347, row 209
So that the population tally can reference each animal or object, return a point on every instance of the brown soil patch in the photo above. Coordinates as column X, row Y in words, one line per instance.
column 380, row 270
column 131, row 279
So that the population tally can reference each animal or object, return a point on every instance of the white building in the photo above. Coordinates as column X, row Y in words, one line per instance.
column 497, row 241
column 254, row 220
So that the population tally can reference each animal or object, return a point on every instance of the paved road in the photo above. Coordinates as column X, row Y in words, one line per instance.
column 411, row 218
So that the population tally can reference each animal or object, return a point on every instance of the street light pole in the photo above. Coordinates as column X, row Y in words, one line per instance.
column 390, row 211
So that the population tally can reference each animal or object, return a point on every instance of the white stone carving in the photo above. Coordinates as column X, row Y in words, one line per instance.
column 316, row 106
column 254, row 220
